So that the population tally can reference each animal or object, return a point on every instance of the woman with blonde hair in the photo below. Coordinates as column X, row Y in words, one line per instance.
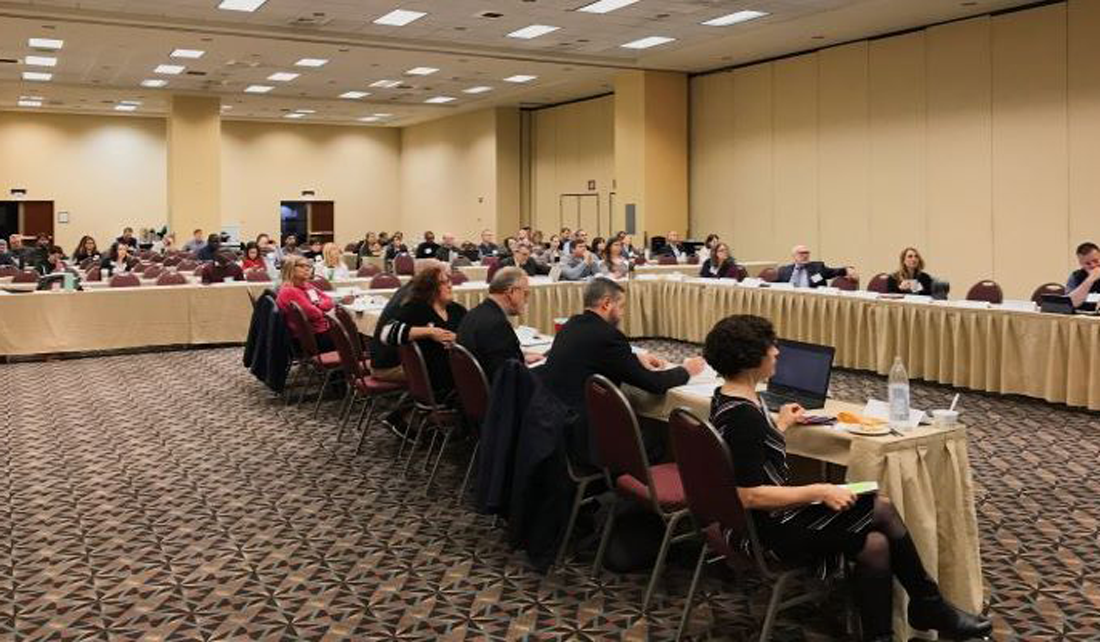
column 332, row 263
column 910, row 277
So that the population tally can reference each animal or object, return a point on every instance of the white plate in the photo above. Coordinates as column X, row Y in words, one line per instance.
column 859, row 429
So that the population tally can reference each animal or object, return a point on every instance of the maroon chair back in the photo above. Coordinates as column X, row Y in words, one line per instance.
column 385, row 282
column 202, row 268
column 351, row 247
column 145, row 255
column 124, row 281
column 768, row 275
column 987, row 291
column 458, row 278
column 152, row 272
column 94, row 274
column 846, row 283
column 8, row 270
column 665, row 259
column 349, row 359
column 174, row 259
column 416, row 372
column 157, row 258
column 303, row 331
column 140, row 268
column 879, row 283
column 1047, row 288
column 171, row 278
column 404, row 265
column 186, row 265
column 85, row 264
column 345, row 320
column 491, row 272
column 639, row 260
column 368, row 271
column 257, row 275
column 618, row 438
column 739, row 272
column 470, row 383
column 322, row 283
column 23, row 276
column 490, row 260
column 693, row 259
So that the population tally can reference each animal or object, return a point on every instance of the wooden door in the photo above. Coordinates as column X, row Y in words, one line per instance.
column 37, row 218
column 322, row 223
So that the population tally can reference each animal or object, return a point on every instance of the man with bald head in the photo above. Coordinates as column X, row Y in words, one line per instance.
column 447, row 251
column 673, row 247
column 804, row 273
column 485, row 330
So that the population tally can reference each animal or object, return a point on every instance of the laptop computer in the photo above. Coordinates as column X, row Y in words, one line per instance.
column 802, row 373
column 1056, row 304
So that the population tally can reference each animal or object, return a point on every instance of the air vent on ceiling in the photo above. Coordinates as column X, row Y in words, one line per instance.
column 9, row 61
column 490, row 14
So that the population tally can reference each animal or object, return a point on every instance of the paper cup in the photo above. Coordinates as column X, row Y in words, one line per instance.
column 945, row 418
column 559, row 323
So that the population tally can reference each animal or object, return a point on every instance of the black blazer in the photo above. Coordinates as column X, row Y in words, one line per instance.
column 427, row 250
column 588, row 345
column 925, row 281
column 813, row 267
column 486, row 333
column 728, row 270
column 531, row 267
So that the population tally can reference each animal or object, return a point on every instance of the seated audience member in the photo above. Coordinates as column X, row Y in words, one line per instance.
column 290, row 246
column 383, row 239
column 508, row 247
column 429, row 248
column 521, row 258
column 673, row 247
column 385, row 360
column 629, row 251
column 430, row 317
column 267, row 248
column 315, row 249
column 910, row 277
column 197, row 242
column 296, row 288
column 54, row 262
column 1086, row 280
column 6, row 257
column 485, row 330
column 223, row 267
column 448, row 249
column 85, row 250
column 804, row 273
column 38, row 252
column 164, row 244
column 367, row 245
column 720, row 265
column 396, row 247
column 580, row 264
column 580, row 237
column 119, row 260
column 128, row 238
column 24, row 256
column 332, row 263
column 814, row 523
column 212, row 247
column 253, row 258
column 550, row 253
column 537, row 239
column 613, row 263
column 488, row 247
column 591, row 343
column 709, row 243
column 598, row 246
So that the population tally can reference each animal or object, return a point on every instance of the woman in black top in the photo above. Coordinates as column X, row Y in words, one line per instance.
column 910, row 277
column 118, row 259
column 85, row 250
column 817, row 522
column 430, row 317
column 396, row 246
column 720, row 265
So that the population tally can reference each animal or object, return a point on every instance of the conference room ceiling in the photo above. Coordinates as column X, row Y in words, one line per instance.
column 112, row 46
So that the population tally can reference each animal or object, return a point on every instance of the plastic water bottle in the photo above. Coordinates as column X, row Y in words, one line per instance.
column 899, row 394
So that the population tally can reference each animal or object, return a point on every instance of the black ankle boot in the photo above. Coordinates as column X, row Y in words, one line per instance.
column 951, row 622
column 874, row 597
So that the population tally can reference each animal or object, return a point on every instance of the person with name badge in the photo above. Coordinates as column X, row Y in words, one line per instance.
column 910, row 277
column 804, row 273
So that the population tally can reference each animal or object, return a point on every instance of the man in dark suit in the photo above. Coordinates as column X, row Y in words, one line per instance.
column 487, row 247
column 673, row 247
column 591, row 343
column 804, row 273
column 485, row 330
column 429, row 248
column 521, row 258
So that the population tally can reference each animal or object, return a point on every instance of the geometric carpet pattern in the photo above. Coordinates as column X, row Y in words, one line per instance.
column 168, row 495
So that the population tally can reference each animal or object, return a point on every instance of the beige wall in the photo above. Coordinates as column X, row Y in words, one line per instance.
column 976, row 141
column 194, row 164
column 358, row 168
column 106, row 171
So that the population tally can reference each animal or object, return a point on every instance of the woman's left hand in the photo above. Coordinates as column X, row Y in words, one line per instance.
column 790, row 414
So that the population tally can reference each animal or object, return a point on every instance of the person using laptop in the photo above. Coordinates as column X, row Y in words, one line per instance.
column 813, row 524
column 1086, row 280
column 801, row 375
column 804, row 273
column 485, row 330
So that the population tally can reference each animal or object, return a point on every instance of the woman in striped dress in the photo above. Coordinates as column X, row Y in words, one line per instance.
column 818, row 522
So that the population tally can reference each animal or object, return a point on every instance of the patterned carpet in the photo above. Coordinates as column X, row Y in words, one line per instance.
column 169, row 496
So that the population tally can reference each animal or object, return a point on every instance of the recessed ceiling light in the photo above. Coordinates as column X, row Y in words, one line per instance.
column 227, row 107
column 311, row 62
column 40, row 61
column 421, row 71
column 305, row 111
column 125, row 107
column 129, row 102
column 438, row 100
column 399, row 18
column 45, row 43
column 534, row 31
column 169, row 69
column 387, row 84
column 29, row 103
column 282, row 76
column 477, row 90
column 257, row 89
column 355, row 95
column 294, row 115
column 36, row 76
column 606, row 6
column 369, row 119
column 520, row 78
column 646, row 43
column 382, row 115
column 187, row 53
column 154, row 82
column 241, row 5
column 734, row 18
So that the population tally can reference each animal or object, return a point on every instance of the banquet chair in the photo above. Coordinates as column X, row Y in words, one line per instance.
column 94, row 274
column 665, row 259
column 987, row 291
column 879, row 283
column 145, row 255
column 351, row 247
column 319, row 364
column 124, row 281
column 257, row 275
column 186, row 265
column 322, row 283
column 361, row 385
column 8, row 270
column 710, row 490
column 152, row 272
column 490, row 260
column 458, row 278
column 846, row 283
column 431, row 414
column 171, row 278
column 404, row 265
column 768, row 275
column 140, row 268
column 693, row 259
column 1047, row 288
column 472, row 388
column 492, row 271
column 640, row 260
column 157, row 258
column 385, row 282
column 86, row 263
column 460, row 261
column 24, row 276
column 627, row 470
column 368, row 271
column 740, row 273
column 173, row 259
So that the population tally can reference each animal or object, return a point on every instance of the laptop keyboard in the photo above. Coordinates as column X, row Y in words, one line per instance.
column 775, row 400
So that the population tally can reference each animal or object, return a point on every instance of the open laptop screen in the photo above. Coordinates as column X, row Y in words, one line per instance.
column 803, row 367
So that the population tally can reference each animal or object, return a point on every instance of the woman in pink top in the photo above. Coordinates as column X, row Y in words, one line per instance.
column 297, row 288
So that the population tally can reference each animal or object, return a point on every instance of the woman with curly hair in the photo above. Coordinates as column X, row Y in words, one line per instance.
column 817, row 522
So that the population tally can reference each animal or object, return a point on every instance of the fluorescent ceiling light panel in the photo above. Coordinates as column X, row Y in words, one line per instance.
column 154, row 82
column 40, row 61
column 438, row 100
column 520, row 78
column 534, row 31
column 355, row 95
column 241, row 5
column 369, row 119
column 734, row 18
column 646, row 43
column 386, row 84
column 36, row 76
column 30, row 103
column 421, row 71
column 305, row 111
column 399, row 18
column 257, row 89
column 382, row 115
column 125, row 107
column 171, row 70
column 187, row 53
column 38, row 98
column 129, row 102
column 282, row 76
column 294, row 115
column 606, row 6
column 477, row 90
column 311, row 62
column 45, row 43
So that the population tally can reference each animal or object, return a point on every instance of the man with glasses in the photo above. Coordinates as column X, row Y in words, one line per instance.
column 485, row 330
column 804, row 273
